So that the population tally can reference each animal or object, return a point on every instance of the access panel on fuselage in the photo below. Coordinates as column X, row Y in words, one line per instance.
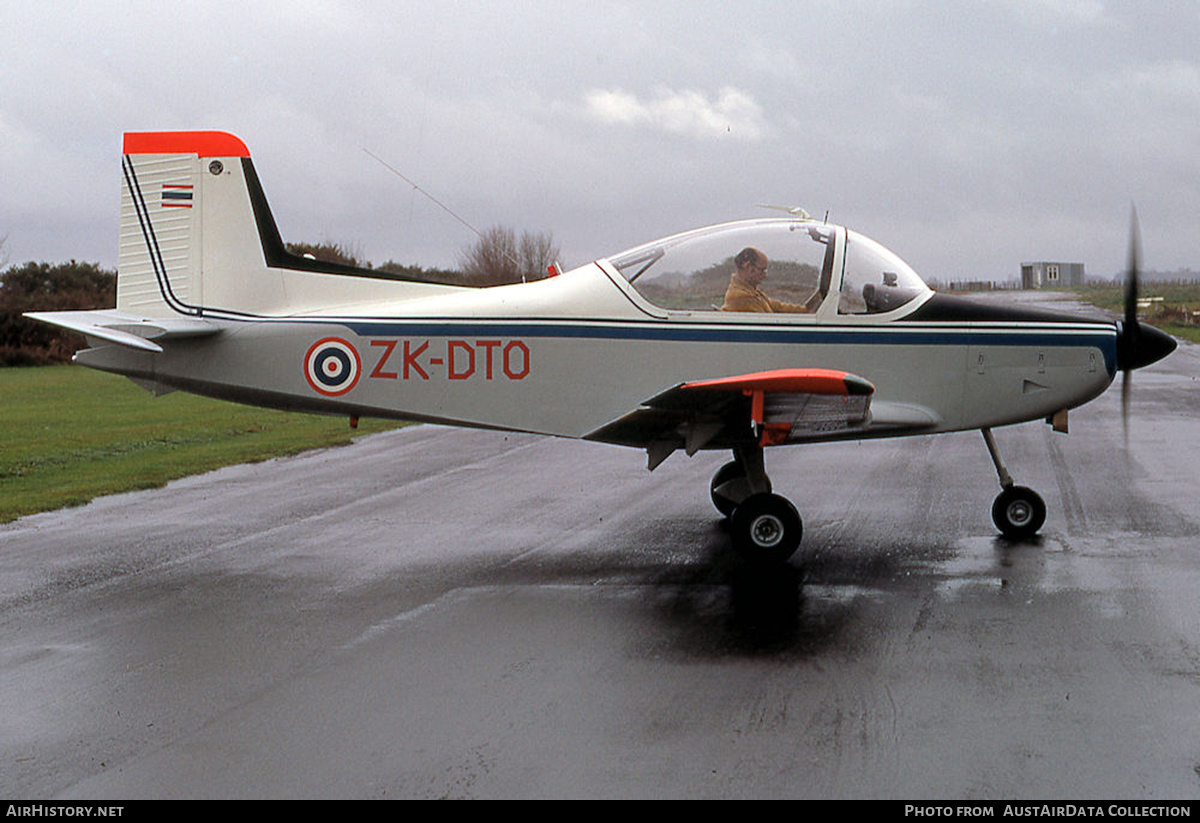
column 1013, row 382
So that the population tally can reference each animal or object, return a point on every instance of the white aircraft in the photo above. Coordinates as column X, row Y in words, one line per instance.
column 661, row 347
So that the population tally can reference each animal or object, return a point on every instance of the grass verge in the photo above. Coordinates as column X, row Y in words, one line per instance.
column 70, row 434
column 1179, row 300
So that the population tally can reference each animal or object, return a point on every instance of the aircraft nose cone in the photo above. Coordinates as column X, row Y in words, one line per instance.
column 1142, row 345
column 1155, row 343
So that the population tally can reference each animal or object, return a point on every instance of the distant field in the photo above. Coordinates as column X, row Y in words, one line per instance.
column 1179, row 300
column 70, row 434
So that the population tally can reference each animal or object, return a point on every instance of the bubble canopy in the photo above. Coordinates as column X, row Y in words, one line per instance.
column 800, row 266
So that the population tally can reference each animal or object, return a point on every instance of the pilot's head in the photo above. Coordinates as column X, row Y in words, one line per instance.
column 751, row 265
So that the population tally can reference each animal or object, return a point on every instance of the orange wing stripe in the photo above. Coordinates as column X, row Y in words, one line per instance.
column 200, row 143
column 808, row 381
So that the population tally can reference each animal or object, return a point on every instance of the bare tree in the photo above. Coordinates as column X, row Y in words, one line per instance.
column 537, row 253
column 498, row 257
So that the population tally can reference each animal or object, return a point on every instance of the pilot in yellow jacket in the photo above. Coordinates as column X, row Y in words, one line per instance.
column 744, row 294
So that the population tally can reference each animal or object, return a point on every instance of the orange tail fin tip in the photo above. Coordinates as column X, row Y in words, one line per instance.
column 200, row 143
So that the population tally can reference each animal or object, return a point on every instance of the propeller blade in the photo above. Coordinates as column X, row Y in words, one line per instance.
column 1131, row 270
column 1130, row 332
column 1125, row 375
column 1137, row 346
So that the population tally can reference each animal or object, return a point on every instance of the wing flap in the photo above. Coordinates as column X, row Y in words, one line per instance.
column 770, row 407
column 792, row 381
column 788, row 405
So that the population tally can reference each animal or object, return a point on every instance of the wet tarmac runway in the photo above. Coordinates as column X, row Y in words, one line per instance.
column 442, row 613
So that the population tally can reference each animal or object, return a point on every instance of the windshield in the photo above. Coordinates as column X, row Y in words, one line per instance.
column 875, row 279
column 770, row 266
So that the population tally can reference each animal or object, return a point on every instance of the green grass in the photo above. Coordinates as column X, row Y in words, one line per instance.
column 1178, row 299
column 70, row 434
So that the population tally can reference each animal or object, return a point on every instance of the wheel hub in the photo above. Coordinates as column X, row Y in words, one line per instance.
column 1020, row 512
column 767, row 531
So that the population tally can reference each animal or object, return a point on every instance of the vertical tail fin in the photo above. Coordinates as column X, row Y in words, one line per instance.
column 197, row 238
column 186, row 211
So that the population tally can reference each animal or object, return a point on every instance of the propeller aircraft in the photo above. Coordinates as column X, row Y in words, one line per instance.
column 647, row 348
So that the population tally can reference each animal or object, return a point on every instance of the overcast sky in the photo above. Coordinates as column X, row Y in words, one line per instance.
column 967, row 136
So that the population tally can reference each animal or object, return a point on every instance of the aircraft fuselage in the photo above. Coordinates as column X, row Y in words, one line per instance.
column 569, row 376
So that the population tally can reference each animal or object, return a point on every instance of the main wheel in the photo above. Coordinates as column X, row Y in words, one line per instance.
column 729, row 487
column 766, row 528
column 1018, row 512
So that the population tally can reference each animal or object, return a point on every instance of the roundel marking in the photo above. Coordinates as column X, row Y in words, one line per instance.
column 332, row 366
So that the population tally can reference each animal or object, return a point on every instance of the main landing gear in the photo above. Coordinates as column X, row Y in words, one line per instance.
column 764, row 527
column 1018, row 512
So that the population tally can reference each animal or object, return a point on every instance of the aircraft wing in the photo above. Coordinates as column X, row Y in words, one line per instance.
column 126, row 329
column 771, row 407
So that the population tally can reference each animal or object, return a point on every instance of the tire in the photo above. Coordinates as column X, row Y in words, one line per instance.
column 730, row 471
column 1018, row 512
column 726, row 502
column 766, row 528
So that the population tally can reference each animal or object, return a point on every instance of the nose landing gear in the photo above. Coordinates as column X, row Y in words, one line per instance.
column 1018, row 512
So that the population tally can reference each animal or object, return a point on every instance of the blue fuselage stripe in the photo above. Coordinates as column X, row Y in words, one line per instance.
column 1101, row 337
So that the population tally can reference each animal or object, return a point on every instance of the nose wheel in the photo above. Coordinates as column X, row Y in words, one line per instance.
column 1018, row 512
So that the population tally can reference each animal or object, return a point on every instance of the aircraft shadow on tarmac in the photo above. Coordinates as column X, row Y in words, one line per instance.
column 723, row 605
column 719, row 604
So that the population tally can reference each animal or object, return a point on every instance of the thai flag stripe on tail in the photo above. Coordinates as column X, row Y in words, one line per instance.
column 176, row 197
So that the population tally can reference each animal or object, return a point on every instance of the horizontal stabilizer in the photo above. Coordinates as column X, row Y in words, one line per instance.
column 126, row 329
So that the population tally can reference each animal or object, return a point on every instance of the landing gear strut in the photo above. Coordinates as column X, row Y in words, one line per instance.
column 1018, row 512
column 764, row 527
